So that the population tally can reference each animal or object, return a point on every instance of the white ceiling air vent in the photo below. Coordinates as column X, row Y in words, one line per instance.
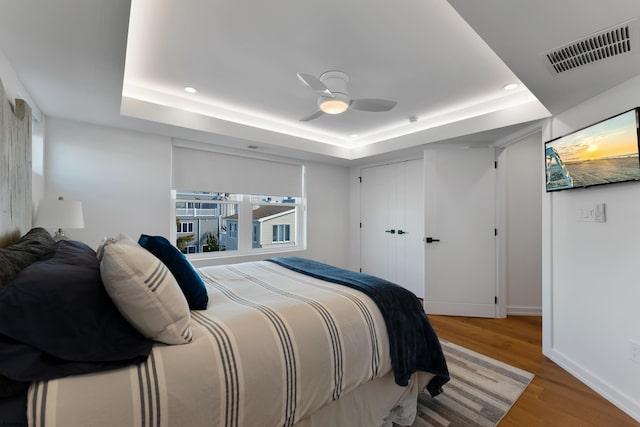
column 604, row 44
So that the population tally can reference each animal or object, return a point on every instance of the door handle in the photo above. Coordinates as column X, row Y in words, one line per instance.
column 431, row 240
column 392, row 231
column 402, row 232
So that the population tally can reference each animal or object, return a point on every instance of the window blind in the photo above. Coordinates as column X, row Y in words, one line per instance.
column 201, row 170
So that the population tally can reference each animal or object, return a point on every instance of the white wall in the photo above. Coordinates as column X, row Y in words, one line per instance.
column 591, row 285
column 37, row 163
column 123, row 179
column 524, row 172
column 328, row 214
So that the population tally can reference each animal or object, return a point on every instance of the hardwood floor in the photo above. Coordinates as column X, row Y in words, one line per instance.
column 554, row 397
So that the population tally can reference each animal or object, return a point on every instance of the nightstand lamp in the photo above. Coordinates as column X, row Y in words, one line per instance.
column 59, row 214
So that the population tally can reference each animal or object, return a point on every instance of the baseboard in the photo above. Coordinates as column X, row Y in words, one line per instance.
column 460, row 309
column 620, row 400
column 514, row 310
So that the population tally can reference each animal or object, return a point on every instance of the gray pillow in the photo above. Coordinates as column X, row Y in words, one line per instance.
column 23, row 252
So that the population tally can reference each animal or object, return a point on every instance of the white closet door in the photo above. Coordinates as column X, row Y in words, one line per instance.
column 392, row 224
column 378, row 241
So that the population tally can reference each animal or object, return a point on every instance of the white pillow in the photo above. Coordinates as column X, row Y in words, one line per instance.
column 144, row 290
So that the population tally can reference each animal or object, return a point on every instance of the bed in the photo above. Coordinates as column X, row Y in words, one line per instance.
column 151, row 341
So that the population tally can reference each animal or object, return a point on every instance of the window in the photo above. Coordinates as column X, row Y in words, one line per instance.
column 232, row 227
column 274, row 221
column 255, row 235
column 201, row 222
column 281, row 232
column 254, row 194
column 185, row 227
column 213, row 222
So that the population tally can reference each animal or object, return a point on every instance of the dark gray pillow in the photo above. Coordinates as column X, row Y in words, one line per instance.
column 24, row 252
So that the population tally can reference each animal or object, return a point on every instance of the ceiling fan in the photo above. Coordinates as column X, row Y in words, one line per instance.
column 334, row 98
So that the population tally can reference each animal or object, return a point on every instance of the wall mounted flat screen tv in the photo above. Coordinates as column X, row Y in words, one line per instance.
column 603, row 153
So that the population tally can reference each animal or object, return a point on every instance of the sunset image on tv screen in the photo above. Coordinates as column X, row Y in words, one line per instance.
column 603, row 153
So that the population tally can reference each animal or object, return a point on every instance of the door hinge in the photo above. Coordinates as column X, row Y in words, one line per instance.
column 496, row 300
column 360, row 225
column 495, row 164
column 495, row 231
column 361, row 270
column 360, row 179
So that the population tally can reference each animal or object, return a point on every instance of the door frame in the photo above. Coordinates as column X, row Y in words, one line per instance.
column 501, row 226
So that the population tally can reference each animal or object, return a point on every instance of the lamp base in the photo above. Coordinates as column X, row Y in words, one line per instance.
column 59, row 235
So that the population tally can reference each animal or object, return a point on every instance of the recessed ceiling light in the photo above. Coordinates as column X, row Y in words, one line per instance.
column 510, row 86
column 355, row 135
column 190, row 89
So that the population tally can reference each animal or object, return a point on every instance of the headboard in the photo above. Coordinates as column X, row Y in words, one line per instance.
column 16, row 206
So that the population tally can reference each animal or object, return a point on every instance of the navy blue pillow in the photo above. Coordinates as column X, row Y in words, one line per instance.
column 187, row 277
column 56, row 319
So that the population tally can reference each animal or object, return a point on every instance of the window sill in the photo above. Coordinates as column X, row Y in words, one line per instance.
column 233, row 257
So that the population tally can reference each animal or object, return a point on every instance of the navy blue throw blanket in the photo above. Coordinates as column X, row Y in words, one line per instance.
column 413, row 343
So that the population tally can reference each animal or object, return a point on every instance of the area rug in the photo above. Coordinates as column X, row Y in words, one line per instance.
column 480, row 393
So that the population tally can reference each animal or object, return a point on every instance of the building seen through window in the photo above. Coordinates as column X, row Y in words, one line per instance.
column 211, row 222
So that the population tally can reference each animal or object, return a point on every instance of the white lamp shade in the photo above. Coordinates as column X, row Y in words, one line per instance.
column 59, row 214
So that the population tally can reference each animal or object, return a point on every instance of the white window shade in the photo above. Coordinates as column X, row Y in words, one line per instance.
column 201, row 170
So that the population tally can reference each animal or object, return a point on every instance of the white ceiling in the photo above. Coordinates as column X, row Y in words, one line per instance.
column 125, row 64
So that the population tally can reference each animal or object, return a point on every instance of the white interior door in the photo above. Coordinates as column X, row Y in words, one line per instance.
column 460, row 268
column 392, row 224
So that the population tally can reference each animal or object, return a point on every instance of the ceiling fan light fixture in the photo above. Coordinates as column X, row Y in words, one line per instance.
column 333, row 106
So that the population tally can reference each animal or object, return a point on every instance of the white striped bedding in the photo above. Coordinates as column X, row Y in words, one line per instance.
column 273, row 347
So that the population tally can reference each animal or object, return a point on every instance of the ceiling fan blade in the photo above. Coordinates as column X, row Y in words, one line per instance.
column 312, row 116
column 372, row 105
column 315, row 84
